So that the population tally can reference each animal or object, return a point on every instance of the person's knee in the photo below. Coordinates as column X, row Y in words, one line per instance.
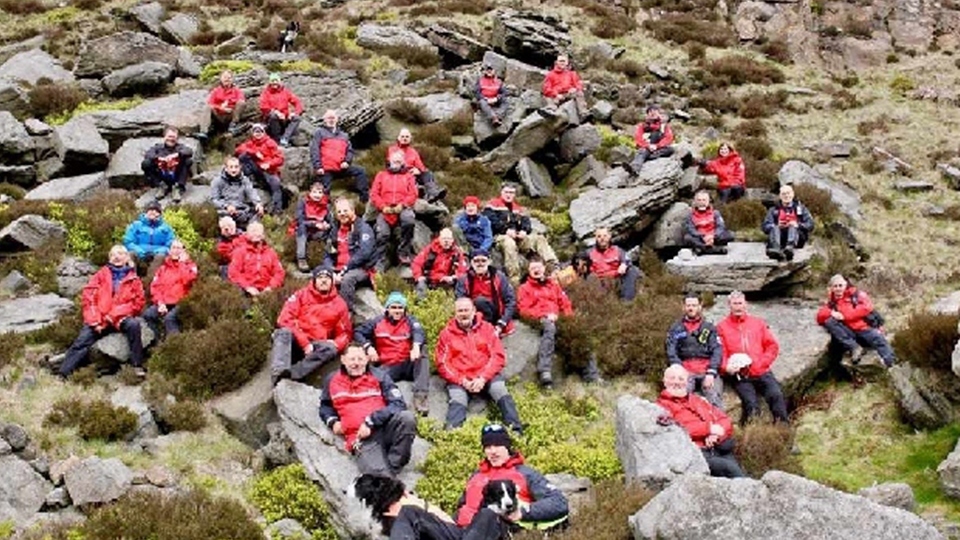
column 282, row 335
column 407, row 217
column 498, row 390
column 407, row 420
column 457, row 396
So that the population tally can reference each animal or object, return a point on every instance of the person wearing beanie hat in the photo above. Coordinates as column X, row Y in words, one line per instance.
column 541, row 506
column 396, row 341
column 149, row 236
column 491, row 96
column 471, row 227
column 490, row 291
column 276, row 102
column 261, row 160
column 439, row 264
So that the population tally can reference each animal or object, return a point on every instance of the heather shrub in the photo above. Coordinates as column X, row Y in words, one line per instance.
column 818, row 201
column 761, row 173
column 464, row 178
column 763, row 447
column 412, row 57
column 61, row 333
column 715, row 100
column 287, row 493
column 603, row 518
column 183, row 415
column 629, row 67
column 743, row 214
column 10, row 212
column 438, row 135
column 179, row 220
column 12, row 190
column 22, row 7
column 683, row 28
column 94, row 225
column 39, row 265
column 927, row 340
column 737, row 70
column 13, row 346
column 97, row 419
column 762, row 104
column 209, row 301
column 211, row 72
column 54, row 98
column 777, row 50
column 407, row 111
column 750, row 128
column 754, row 147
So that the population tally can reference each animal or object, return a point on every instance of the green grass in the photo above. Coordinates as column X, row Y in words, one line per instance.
column 860, row 441
column 92, row 106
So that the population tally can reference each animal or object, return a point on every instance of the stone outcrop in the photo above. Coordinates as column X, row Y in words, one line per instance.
column 132, row 398
column 534, row 177
column 846, row 198
column 745, row 267
column 29, row 232
column 23, row 315
column 579, row 142
column 921, row 401
column 897, row 495
column 31, row 66
column 442, row 106
column 74, row 189
column 532, row 134
column 84, row 150
column 531, row 37
column 22, row 489
column 180, row 28
column 15, row 144
column 668, row 231
column 72, row 275
column 247, row 411
column 103, row 55
column 514, row 72
column 96, row 480
column 949, row 473
column 453, row 40
column 114, row 348
column 146, row 78
column 149, row 16
column 379, row 36
column 187, row 111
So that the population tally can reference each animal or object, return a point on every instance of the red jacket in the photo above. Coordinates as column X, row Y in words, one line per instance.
column 749, row 335
column 853, row 315
column 315, row 316
column 435, row 263
column 279, row 100
column 255, row 265
column 371, row 399
column 225, row 248
column 392, row 339
column 100, row 302
column 272, row 155
column 729, row 170
column 221, row 95
column 392, row 188
column 172, row 281
column 604, row 264
column 695, row 414
column 309, row 211
column 560, row 81
column 537, row 299
column 411, row 158
column 704, row 221
column 653, row 136
column 468, row 354
column 489, row 87
column 329, row 149
column 486, row 473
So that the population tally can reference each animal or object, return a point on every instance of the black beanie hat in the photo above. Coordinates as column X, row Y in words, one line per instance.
column 495, row 435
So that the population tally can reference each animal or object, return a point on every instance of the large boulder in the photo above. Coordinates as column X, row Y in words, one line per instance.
column 442, row 106
column 514, row 72
column 149, row 16
column 531, row 37
column 744, row 267
column 247, row 411
column 949, row 473
column 186, row 111
column 23, row 315
column 22, row 490
column 533, row 133
column 535, row 178
column 180, row 28
column 101, row 56
column 579, row 142
column 95, row 480
column 84, row 150
column 29, row 232
column 895, row 494
column 778, row 505
column 626, row 209
column 668, row 231
column 453, row 40
column 145, row 78
column 132, row 398
column 297, row 168
column 380, row 36
column 846, row 198
column 652, row 454
column 16, row 146
column 33, row 65
column 13, row 98
column 114, row 349
column 124, row 169
column 920, row 397
column 521, row 347
column 590, row 170
column 74, row 188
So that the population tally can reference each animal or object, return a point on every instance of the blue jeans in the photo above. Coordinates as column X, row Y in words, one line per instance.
column 843, row 337
column 171, row 322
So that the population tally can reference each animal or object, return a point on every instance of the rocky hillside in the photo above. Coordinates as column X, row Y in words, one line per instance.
column 855, row 103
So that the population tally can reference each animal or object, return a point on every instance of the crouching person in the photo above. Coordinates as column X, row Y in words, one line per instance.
column 317, row 319
column 111, row 301
column 848, row 316
column 364, row 406
column 171, row 284
column 708, row 426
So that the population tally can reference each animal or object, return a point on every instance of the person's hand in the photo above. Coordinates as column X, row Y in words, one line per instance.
column 264, row 166
column 447, row 279
column 837, row 315
column 344, row 165
column 552, row 317
column 252, row 291
column 231, row 209
column 708, row 382
column 308, row 349
column 498, row 329
column 322, row 225
column 319, row 171
column 280, row 115
column 292, row 116
column 711, row 441
column 622, row 269
column 480, row 382
column 162, row 309
column 512, row 233
column 337, row 278
column 259, row 209
column 717, row 429
column 415, row 352
column 259, row 155
column 99, row 327
column 708, row 239
column 522, row 234
column 493, row 100
column 363, row 432
column 337, row 428
column 372, row 355
column 515, row 516
column 414, row 171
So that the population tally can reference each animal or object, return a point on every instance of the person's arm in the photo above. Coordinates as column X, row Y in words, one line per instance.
column 392, row 396
column 130, row 239
column 410, row 194
column 416, row 266
column 770, row 221
column 470, row 501
column 366, row 251
column 419, row 335
column 823, row 314
column 376, row 197
column 290, row 319
column 638, row 138
column 548, row 504
column 343, row 330
column 132, row 304
column 863, row 308
column 771, row 348
column 672, row 343
column 667, row 138
column 264, row 104
column 297, row 104
column 487, row 233
column 277, row 273
column 315, row 150
column 477, row 93
column 720, row 226
column 364, row 333
column 509, row 298
column 566, row 306
column 527, row 302
column 739, row 174
column 441, row 358
column 348, row 157
column 805, row 220
column 498, row 358
column 716, row 351
column 328, row 414
column 216, row 194
column 250, row 192
column 689, row 228
column 274, row 157
column 88, row 298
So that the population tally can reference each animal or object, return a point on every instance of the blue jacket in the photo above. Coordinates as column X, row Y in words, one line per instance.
column 145, row 237
column 361, row 244
column 476, row 231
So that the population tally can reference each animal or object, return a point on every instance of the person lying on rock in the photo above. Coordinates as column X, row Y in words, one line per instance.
column 513, row 232
column 490, row 291
column 470, row 358
column 363, row 405
column 439, row 265
column 730, row 172
column 704, row 229
column 393, row 194
column 692, row 343
column 111, row 301
column 395, row 342
column 787, row 225
column 472, row 227
column 331, row 155
column 312, row 329
column 749, row 350
column 226, row 242
column 849, row 317
column 653, row 138
column 254, row 265
column 562, row 84
column 226, row 102
column 709, row 427
column 232, row 194
column 352, row 252
column 171, row 283
column 261, row 160
column 426, row 182
column 167, row 164
column 312, row 221
column 149, row 236
column 491, row 95
column 609, row 264
column 280, row 110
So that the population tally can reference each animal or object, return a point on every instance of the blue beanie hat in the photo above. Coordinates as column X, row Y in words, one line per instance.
column 396, row 298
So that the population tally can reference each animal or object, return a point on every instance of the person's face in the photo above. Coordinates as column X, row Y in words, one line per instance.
column 562, row 62
column 701, row 201
column 354, row 360
column 226, row 79
column 177, row 251
column 228, row 229
column 345, row 213
column 653, row 115
column 786, row 196
column 738, row 306
column 480, row 264
column 471, row 209
column 395, row 312
column 489, row 71
column 724, row 150
column 258, row 134
column 330, row 120
column 119, row 257
column 496, row 455
column 404, row 138
column 316, row 192
column 446, row 239
column 170, row 138
column 675, row 383
column 537, row 270
column 692, row 308
column 275, row 85
column 153, row 214
column 837, row 288
column 508, row 194
column 602, row 237
column 255, row 233
column 396, row 163
column 323, row 283
column 464, row 312
column 232, row 167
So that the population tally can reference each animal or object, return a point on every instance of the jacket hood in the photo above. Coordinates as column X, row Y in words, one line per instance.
column 232, row 179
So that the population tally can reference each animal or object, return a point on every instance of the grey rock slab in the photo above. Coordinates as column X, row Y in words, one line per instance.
column 535, row 178
column 114, row 347
column 57, row 498
column 378, row 36
column 579, row 142
column 84, row 149
column 913, row 186
column 442, row 106
column 74, row 188
column 15, row 436
column 102, row 55
column 180, row 28
column 919, row 401
column 247, row 411
column 148, row 16
column 895, row 494
column 622, row 210
column 530, row 36
column 29, row 232
column 132, row 398
column 7, row 51
column 22, row 490
column 144, row 78
column 286, row 529
column 33, row 65
column 72, row 276
column 745, row 267
column 532, row 134
column 367, row 305
column 195, row 195
column 949, row 473
column 951, row 173
column 521, row 347
column 946, row 305
column 668, row 231
column 14, row 282
column 450, row 39
column 124, row 170
column 590, row 170
column 187, row 64
column 602, row 110
column 186, row 111
column 797, row 172
column 614, row 178
column 13, row 98
column 96, row 480
column 5, row 448
column 15, row 143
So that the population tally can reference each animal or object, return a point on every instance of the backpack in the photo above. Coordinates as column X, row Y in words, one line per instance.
column 873, row 319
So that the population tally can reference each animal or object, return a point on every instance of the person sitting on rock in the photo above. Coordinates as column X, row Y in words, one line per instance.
column 704, row 230
column 439, row 264
column 472, row 226
column 312, row 329
column 709, row 427
column 609, row 264
column 312, row 221
column 490, row 290
column 730, row 172
column 541, row 505
column 849, row 317
column 149, row 236
column 395, row 342
column 787, row 225
column 331, row 155
column 226, row 102
column 254, row 265
column 276, row 102
column 226, row 241
column 653, row 139
column 491, row 95
column 470, row 358
column 261, row 160
column 167, row 164
column 432, row 191
column 513, row 232
column 233, row 195
column 365, row 406
column 352, row 252
column 393, row 194
column 111, row 301
column 692, row 342
column 749, row 350
column 171, row 283
column 562, row 84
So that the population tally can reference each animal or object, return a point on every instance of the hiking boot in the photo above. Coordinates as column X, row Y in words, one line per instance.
column 856, row 354
column 178, row 195
column 421, row 403
column 697, row 250
column 775, row 254
column 140, row 372
column 788, row 253
column 546, row 380
column 233, row 130
column 303, row 265
column 283, row 374
column 720, row 250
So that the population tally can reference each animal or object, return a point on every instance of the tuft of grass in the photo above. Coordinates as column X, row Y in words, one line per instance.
column 304, row 66
column 211, row 72
column 763, row 447
column 287, row 493
column 605, row 517
column 13, row 347
column 818, row 201
column 93, row 106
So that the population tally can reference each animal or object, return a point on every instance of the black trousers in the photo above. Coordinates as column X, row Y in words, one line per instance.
column 77, row 353
column 768, row 387
column 415, row 523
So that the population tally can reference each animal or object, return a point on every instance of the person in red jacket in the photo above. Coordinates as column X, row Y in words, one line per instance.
column 730, row 172
column 394, row 192
column 317, row 321
column 226, row 103
column 312, row 221
column 704, row 229
column 541, row 298
column 226, row 241
column 171, row 284
column 276, row 102
column 331, row 155
column 562, row 84
column 709, row 427
column 609, row 263
column 850, row 319
column 749, row 350
column 439, row 264
column 653, row 138
column 111, row 301
column 364, row 406
column 432, row 191
column 261, row 159
column 470, row 357
column 491, row 95
column 254, row 265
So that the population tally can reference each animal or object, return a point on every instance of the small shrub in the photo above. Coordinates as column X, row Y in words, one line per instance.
column 880, row 124
column 407, row 111
column 686, row 28
column 818, row 201
column 204, row 219
column 860, row 28
column 696, row 51
column 610, row 22
column 737, row 70
column 464, row 178
column 754, row 147
column 22, row 7
column 777, row 50
column 763, row 447
column 94, row 225
column 211, row 72
column 762, row 104
column 761, row 173
column 460, row 123
column 717, row 101
column 893, row 58
column 605, row 517
column 12, row 190
column 901, row 84
column 13, row 346
column 629, row 67
column 287, row 493
column 438, row 135
column 97, row 419
column 927, row 340
column 413, row 57
column 55, row 98
column 750, row 128
column 39, row 265
column 743, row 214
column 558, row 223
column 210, row 301
column 183, row 415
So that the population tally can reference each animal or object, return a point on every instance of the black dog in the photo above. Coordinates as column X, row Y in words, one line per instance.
column 288, row 36
column 377, row 493
column 501, row 497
